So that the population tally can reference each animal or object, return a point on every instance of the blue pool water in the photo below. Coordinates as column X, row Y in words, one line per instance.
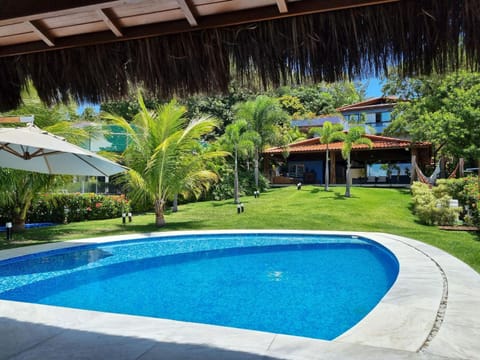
column 305, row 285
column 32, row 225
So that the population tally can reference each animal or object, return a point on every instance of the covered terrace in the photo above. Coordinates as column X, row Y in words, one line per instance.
column 388, row 162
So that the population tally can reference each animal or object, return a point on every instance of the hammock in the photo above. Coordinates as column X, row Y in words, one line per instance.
column 420, row 175
column 431, row 180
column 454, row 172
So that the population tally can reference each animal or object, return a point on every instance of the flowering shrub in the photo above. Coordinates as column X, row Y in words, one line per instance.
column 77, row 207
column 432, row 205
column 466, row 190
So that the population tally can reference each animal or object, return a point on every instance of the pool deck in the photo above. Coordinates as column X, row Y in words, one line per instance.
column 431, row 312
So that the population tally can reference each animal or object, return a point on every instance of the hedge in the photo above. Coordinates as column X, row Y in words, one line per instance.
column 58, row 208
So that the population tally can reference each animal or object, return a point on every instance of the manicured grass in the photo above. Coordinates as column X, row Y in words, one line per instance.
column 369, row 209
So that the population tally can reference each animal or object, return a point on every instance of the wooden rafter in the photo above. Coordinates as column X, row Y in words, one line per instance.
column 320, row 45
column 108, row 20
column 296, row 8
column 20, row 11
column 188, row 10
column 282, row 6
column 42, row 34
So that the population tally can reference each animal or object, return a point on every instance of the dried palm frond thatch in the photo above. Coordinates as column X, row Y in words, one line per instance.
column 415, row 36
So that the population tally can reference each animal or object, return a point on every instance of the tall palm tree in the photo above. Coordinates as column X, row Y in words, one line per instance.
column 241, row 141
column 353, row 137
column 164, row 155
column 328, row 134
column 264, row 116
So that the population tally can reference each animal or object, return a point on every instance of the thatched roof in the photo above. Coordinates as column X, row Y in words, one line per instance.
column 418, row 36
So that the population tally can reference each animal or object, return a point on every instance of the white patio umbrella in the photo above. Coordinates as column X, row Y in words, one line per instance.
column 33, row 149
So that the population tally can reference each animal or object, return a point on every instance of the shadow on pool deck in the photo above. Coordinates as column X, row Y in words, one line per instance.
column 25, row 340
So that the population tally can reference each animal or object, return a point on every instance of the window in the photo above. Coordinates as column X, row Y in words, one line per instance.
column 296, row 170
column 353, row 118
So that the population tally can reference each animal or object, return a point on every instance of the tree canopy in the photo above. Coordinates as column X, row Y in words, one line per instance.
column 265, row 117
column 444, row 110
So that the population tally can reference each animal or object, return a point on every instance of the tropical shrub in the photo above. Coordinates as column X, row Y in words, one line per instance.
column 432, row 206
column 76, row 207
column 466, row 190
column 224, row 189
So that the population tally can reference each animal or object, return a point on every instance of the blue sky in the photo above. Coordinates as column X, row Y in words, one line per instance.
column 374, row 88
column 82, row 107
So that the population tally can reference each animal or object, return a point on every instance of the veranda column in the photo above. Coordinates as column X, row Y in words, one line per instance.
column 413, row 171
column 333, row 160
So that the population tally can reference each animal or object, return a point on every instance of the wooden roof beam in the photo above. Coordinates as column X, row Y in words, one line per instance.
column 173, row 27
column 15, row 11
column 282, row 6
column 42, row 34
column 189, row 11
column 109, row 21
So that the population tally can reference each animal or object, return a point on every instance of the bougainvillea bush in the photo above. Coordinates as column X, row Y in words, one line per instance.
column 58, row 208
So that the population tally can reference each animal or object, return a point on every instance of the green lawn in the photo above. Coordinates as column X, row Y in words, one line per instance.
column 369, row 209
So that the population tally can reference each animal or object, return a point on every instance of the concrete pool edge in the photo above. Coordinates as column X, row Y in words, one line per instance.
column 399, row 326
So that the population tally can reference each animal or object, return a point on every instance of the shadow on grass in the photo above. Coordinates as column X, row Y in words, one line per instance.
column 339, row 196
column 315, row 190
column 221, row 204
column 144, row 228
column 243, row 200
column 477, row 235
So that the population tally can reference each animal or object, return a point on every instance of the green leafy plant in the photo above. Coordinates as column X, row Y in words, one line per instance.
column 432, row 205
column 466, row 190
column 58, row 208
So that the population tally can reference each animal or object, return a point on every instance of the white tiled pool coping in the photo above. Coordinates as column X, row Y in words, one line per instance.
column 431, row 312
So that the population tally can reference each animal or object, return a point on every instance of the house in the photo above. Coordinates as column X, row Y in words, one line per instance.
column 389, row 161
column 375, row 113
column 304, row 125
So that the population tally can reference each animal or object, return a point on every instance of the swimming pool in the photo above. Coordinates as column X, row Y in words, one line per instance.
column 306, row 285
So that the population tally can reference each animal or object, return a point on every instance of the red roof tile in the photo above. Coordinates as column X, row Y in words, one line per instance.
column 314, row 145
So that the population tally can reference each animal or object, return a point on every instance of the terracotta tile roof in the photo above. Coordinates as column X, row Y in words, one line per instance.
column 379, row 143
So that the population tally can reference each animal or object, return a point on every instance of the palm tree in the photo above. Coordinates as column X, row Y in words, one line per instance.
column 328, row 133
column 164, row 154
column 353, row 137
column 242, row 142
column 264, row 116
column 19, row 189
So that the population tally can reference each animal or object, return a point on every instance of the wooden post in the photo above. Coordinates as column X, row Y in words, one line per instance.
column 333, row 160
column 442, row 167
column 413, row 175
